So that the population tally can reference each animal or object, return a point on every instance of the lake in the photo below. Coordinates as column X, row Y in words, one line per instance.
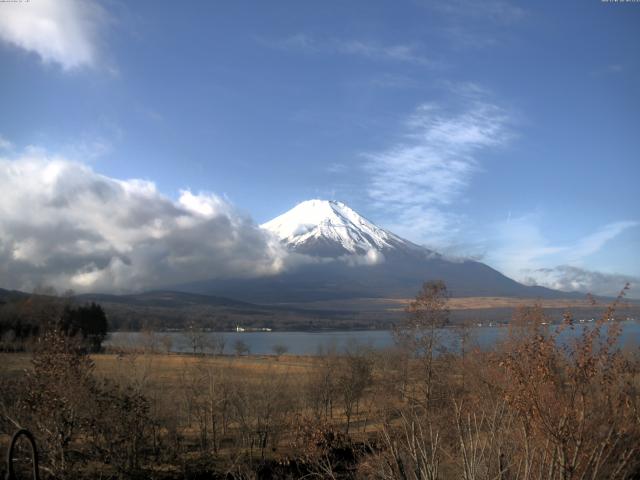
column 310, row 343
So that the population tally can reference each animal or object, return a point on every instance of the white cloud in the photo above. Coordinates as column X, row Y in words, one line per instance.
column 499, row 12
column 392, row 80
column 469, row 24
column 595, row 241
column 5, row 144
column 521, row 251
column 518, row 245
column 58, row 31
column 569, row 279
column 430, row 167
column 65, row 225
column 298, row 41
column 406, row 53
column 337, row 168
column 398, row 52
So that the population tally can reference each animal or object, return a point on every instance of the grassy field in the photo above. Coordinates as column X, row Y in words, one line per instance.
column 455, row 303
column 165, row 370
column 179, row 387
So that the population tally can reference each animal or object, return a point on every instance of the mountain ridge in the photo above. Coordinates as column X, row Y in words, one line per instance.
column 359, row 259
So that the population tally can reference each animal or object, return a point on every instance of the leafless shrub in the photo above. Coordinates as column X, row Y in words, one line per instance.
column 412, row 450
column 573, row 402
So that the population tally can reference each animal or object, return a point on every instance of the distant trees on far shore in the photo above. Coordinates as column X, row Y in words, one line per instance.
column 24, row 319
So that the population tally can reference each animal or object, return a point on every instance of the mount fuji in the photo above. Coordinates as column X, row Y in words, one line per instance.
column 343, row 255
column 331, row 229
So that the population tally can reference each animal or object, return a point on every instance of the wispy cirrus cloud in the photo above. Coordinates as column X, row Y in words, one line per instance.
column 594, row 242
column 398, row 52
column 469, row 24
column 5, row 144
column 302, row 42
column 495, row 11
column 392, row 80
column 417, row 185
column 612, row 69
column 64, row 32
column 520, row 246
column 431, row 165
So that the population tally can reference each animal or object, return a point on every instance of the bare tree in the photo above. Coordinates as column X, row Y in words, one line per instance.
column 241, row 348
column 217, row 342
column 466, row 336
column 418, row 331
column 196, row 336
column 279, row 350
column 321, row 385
column 167, row 343
column 354, row 376
column 149, row 341
column 413, row 451
column 58, row 391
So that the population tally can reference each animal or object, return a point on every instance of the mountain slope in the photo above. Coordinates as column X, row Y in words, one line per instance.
column 401, row 278
column 349, row 257
column 161, row 298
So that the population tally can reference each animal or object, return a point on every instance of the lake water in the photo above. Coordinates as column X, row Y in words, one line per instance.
column 310, row 343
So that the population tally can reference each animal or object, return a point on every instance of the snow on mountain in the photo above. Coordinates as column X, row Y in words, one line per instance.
column 331, row 228
column 370, row 262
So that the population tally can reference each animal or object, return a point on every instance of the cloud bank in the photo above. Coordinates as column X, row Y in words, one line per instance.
column 569, row 279
column 63, row 224
column 59, row 31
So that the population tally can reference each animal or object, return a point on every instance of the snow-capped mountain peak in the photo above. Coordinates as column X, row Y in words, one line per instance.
column 331, row 228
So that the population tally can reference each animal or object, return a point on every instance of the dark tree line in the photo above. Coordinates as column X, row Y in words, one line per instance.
column 23, row 320
column 87, row 321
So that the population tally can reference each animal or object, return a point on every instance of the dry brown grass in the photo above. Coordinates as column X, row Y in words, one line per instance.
column 167, row 369
column 168, row 365
column 12, row 363
column 455, row 303
column 480, row 303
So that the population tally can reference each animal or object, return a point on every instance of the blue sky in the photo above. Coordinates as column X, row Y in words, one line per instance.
column 503, row 131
